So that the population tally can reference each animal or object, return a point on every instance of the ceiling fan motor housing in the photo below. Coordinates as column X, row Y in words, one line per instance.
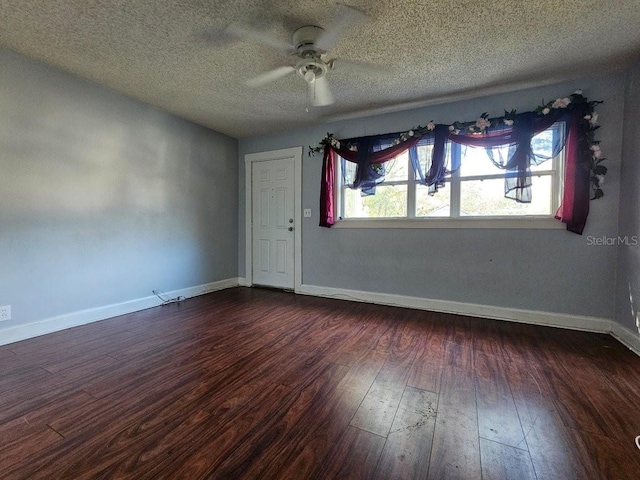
column 304, row 40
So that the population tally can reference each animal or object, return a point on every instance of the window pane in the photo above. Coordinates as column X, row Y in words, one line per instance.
column 486, row 197
column 475, row 161
column 348, row 171
column 437, row 205
column 542, row 146
column 425, row 153
column 389, row 201
column 424, row 156
column 542, row 143
column 397, row 170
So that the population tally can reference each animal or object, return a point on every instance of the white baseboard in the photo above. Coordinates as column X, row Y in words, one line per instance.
column 82, row 317
column 242, row 282
column 626, row 337
column 574, row 322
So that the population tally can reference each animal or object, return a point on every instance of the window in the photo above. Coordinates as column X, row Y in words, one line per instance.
column 390, row 199
column 475, row 189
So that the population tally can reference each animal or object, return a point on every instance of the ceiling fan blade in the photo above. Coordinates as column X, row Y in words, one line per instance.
column 347, row 18
column 320, row 93
column 270, row 76
column 246, row 33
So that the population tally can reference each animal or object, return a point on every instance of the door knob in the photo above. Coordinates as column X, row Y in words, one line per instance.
column 291, row 229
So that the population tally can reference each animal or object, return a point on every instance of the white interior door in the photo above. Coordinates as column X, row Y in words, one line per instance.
column 273, row 223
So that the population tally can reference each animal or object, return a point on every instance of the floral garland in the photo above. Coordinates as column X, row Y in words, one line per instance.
column 510, row 118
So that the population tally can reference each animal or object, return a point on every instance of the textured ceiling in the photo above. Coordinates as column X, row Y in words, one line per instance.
column 171, row 54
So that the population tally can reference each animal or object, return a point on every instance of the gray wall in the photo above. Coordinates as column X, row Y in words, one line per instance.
column 103, row 198
column 547, row 270
column 628, row 281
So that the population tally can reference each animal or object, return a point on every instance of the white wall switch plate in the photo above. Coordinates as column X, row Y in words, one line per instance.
column 307, row 212
column 5, row 313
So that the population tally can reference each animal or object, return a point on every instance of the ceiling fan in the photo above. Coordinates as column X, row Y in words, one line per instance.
column 309, row 47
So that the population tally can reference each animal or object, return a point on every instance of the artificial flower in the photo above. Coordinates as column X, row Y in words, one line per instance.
column 600, row 180
column 431, row 126
column 482, row 123
column 546, row 110
column 561, row 102
column 578, row 92
column 508, row 122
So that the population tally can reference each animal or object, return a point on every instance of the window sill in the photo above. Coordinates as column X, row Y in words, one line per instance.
column 542, row 223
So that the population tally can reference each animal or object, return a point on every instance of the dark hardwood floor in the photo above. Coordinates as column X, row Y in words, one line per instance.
column 257, row 384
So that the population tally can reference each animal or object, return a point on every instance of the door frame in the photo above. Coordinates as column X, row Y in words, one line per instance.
column 295, row 155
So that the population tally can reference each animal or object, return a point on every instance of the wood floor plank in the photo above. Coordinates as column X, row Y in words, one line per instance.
column 551, row 444
column 456, row 450
column 577, row 410
column 124, row 408
column 170, row 419
column 39, row 412
column 238, row 448
column 354, row 456
column 498, row 418
column 174, row 384
column 585, row 396
column 273, row 439
column 502, row 462
column 6, row 355
column 408, row 448
column 378, row 409
column 25, row 447
column 312, row 437
column 22, row 377
column 605, row 454
column 459, row 355
column 204, row 437
column 71, row 337
column 250, row 383
column 426, row 370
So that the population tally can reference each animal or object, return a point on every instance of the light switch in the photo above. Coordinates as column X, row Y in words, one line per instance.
column 307, row 212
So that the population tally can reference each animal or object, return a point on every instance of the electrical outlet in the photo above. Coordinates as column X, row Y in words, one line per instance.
column 5, row 313
column 307, row 212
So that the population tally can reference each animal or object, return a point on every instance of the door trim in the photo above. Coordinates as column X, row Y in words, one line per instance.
column 295, row 154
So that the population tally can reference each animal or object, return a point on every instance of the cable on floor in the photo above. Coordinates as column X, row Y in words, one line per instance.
column 166, row 300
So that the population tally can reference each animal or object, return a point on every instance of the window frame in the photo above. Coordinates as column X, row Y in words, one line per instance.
column 455, row 220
